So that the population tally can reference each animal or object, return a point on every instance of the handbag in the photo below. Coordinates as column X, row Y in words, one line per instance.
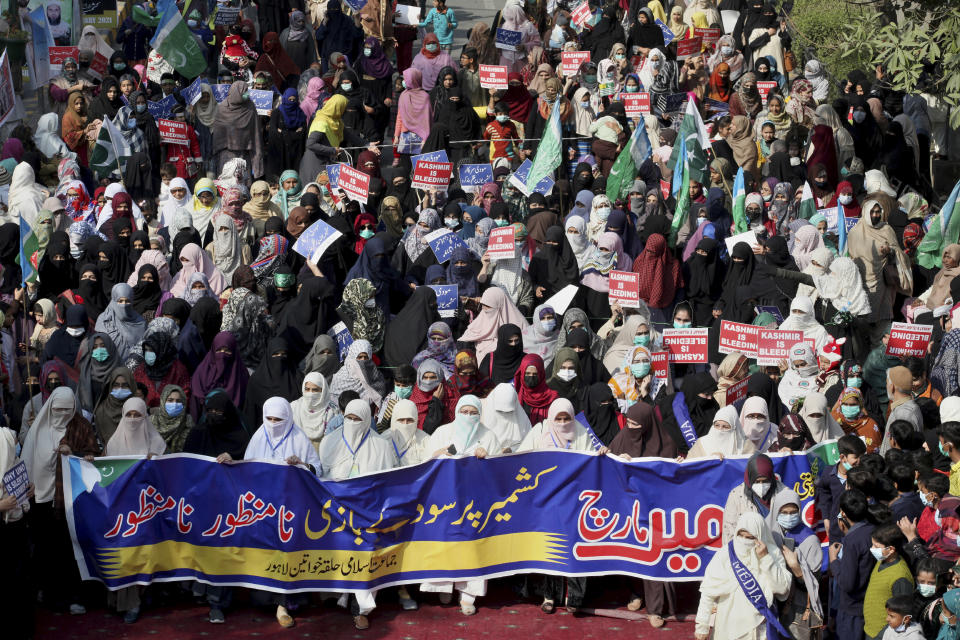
column 409, row 143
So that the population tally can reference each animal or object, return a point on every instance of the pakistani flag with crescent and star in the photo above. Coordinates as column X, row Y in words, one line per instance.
column 176, row 43
column 111, row 151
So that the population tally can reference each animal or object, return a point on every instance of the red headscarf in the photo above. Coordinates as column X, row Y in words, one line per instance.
column 716, row 90
column 431, row 38
column 120, row 198
column 518, row 99
column 275, row 61
column 536, row 401
column 659, row 272
column 851, row 210
column 362, row 219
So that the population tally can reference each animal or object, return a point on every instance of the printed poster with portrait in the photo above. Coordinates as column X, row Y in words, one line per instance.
column 59, row 17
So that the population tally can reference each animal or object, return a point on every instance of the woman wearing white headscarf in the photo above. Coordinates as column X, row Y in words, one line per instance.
column 356, row 450
column 135, row 436
column 736, row 618
column 819, row 265
column 583, row 113
column 816, row 75
column 755, row 420
column 540, row 337
column 804, row 557
column 410, row 444
column 26, row 196
column 801, row 378
column 725, row 438
column 227, row 250
column 802, row 318
column 600, row 210
column 314, row 411
column 468, row 437
column 278, row 438
column 359, row 374
column 119, row 320
column 48, row 140
column 503, row 415
column 59, row 428
column 170, row 206
column 559, row 431
column 576, row 232
column 816, row 415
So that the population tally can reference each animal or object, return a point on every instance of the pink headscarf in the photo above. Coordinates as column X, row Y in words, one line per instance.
column 197, row 261
column 159, row 262
column 553, row 436
column 806, row 240
column 498, row 310
column 414, row 105
column 311, row 101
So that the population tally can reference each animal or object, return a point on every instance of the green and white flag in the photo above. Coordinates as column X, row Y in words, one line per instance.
column 808, row 204
column 942, row 229
column 740, row 223
column 548, row 151
column 175, row 42
column 694, row 134
column 111, row 151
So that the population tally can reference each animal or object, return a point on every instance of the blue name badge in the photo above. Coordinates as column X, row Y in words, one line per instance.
column 448, row 299
column 474, row 176
column 442, row 242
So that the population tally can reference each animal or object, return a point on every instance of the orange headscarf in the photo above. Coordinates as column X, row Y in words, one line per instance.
column 718, row 89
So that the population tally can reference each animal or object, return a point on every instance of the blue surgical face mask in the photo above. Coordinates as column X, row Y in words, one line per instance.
column 141, row 108
column 849, row 411
column 640, row 369
column 402, row 392
column 150, row 357
column 846, row 465
column 173, row 409
column 367, row 51
column 121, row 394
column 854, row 382
column 403, row 83
column 632, row 88
column 677, row 324
column 191, row 23
column 431, row 47
column 119, row 66
column 503, row 118
column 366, row 234
column 548, row 325
column 500, row 222
column 927, row 590
column 346, row 86
column 788, row 520
column 451, row 223
column 641, row 341
column 246, row 95
column 942, row 450
column 100, row 354
column 726, row 51
column 131, row 123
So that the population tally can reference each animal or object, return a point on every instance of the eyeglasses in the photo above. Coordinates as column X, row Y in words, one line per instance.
column 366, row 227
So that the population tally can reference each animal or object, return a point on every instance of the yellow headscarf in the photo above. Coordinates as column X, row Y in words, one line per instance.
column 328, row 119
column 657, row 8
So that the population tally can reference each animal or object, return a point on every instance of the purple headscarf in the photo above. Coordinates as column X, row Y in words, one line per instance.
column 376, row 64
column 218, row 370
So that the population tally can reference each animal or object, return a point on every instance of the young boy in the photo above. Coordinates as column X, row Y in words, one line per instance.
column 899, row 619
column 403, row 379
column 832, row 482
column 443, row 23
column 852, row 571
column 890, row 577
column 502, row 134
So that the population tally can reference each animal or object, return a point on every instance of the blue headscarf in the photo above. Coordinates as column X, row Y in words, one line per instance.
column 463, row 277
column 469, row 229
column 290, row 111
column 951, row 600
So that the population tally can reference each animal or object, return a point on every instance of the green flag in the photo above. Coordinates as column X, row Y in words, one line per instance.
column 548, row 151
column 944, row 229
column 808, row 205
column 740, row 223
column 176, row 43
column 694, row 134
column 111, row 151
column 681, row 192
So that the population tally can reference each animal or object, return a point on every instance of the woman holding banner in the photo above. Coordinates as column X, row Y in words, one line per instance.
column 742, row 580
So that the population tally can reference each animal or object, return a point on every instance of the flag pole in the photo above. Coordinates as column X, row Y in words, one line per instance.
column 116, row 154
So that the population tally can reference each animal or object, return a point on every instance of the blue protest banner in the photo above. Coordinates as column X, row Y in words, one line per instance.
column 448, row 299
column 474, row 176
column 315, row 240
column 262, row 99
column 519, row 180
column 356, row 5
column 161, row 108
column 16, row 482
column 443, row 242
column 507, row 39
column 192, row 93
column 220, row 92
column 42, row 40
column 432, row 156
column 272, row 526
column 668, row 36
column 333, row 174
column 341, row 334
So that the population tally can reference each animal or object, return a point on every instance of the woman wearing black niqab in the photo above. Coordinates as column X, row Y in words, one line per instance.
column 276, row 375
column 114, row 266
column 704, row 278
column 456, row 112
column 739, row 273
column 600, row 410
column 9, row 250
column 207, row 318
column 90, row 292
column 146, row 295
column 57, row 268
column 221, row 429
column 701, row 409
column 591, row 368
column 501, row 365
column 554, row 266
column 307, row 316
column 406, row 335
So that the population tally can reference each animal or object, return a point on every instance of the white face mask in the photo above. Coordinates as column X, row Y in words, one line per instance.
column 313, row 399
column 371, row 303
column 845, row 198
column 743, row 547
column 760, row 488
column 603, row 212
column 794, row 162
column 76, row 332
column 566, row 374
column 877, row 552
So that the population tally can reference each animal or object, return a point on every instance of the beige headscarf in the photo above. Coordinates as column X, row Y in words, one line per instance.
column 261, row 207
column 865, row 241
column 741, row 142
column 940, row 290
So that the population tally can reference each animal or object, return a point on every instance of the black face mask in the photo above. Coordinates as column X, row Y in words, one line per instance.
column 531, row 381
column 52, row 384
column 821, row 183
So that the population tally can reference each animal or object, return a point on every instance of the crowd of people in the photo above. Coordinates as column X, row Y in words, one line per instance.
column 165, row 309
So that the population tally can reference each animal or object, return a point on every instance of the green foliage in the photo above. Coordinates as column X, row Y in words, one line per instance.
column 825, row 26
column 916, row 42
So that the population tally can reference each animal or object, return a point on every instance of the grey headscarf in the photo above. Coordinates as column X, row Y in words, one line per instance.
column 322, row 363
column 124, row 325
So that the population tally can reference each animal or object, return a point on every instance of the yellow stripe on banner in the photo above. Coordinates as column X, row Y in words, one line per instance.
column 334, row 564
